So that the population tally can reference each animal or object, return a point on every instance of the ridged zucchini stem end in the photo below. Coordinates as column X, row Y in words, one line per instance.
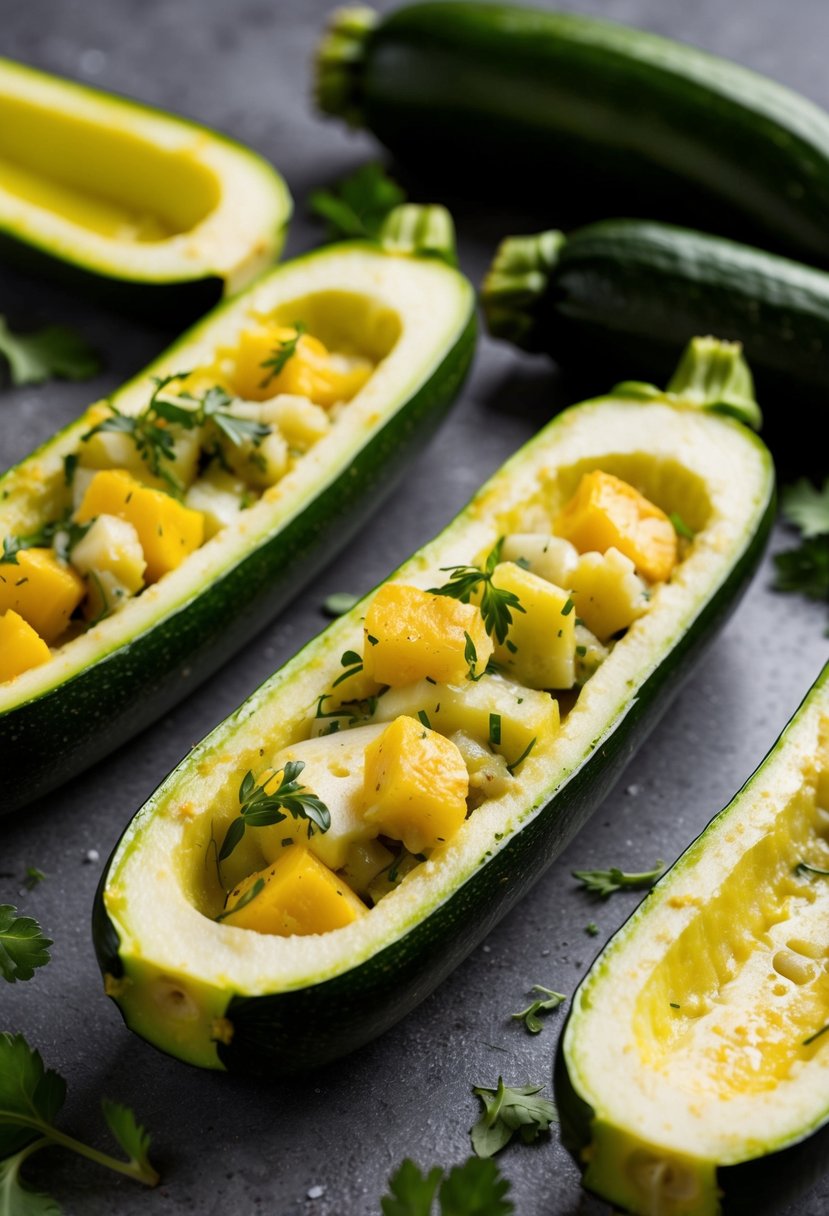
column 516, row 284
column 339, row 61
column 713, row 375
column 415, row 230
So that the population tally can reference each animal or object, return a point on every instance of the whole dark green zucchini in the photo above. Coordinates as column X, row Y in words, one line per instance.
column 577, row 110
column 630, row 293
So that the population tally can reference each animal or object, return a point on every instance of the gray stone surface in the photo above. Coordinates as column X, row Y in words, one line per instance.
column 238, row 1148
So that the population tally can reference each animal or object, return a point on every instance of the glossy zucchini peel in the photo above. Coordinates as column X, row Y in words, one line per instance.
column 219, row 996
column 119, row 192
column 414, row 319
column 692, row 1076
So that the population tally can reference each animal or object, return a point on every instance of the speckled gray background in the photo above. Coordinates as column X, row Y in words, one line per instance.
column 234, row 1148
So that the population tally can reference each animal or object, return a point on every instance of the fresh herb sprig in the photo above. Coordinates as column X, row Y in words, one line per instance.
column 23, row 946
column 805, row 569
column 249, row 896
column 353, row 664
column 258, row 809
column 543, row 1004
column 55, row 352
column 30, row 1099
column 283, row 351
column 497, row 603
column 474, row 1188
column 509, row 1110
column 606, row 882
column 360, row 203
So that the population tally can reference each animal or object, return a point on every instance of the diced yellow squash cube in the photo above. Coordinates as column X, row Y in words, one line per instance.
column 540, row 648
column 169, row 532
column 523, row 715
column 334, row 766
column 42, row 589
column 112, row 545
column 415, row 785
column 607, row 512
column 299, row 896
column 310, row 371
column 607, row 592
column 21, row 647
column 550, row 557
column 410, row 634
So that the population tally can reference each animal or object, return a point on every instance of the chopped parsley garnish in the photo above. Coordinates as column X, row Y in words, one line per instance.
column 568, row 607
column 282, row 352
column 30, row 1099
column 353, row 664
column 22, row 946
column 508, row 1111
column 605, row 882
column 494, row 729
column 592, row 929
column 360, row 203
column 549, row 1000
column 680, row 527
column 474, row 1188
column 805, row 569
column 818, row 1034
column 470, row 656
column 424, row 718
column 497, row 604
column 55, row 352
column 258, row 809
column 33, row 878
column 249, row 896
column 516, row 763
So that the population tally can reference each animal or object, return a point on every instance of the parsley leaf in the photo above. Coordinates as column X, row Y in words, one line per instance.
column 605, row 882
column 31, row 1097
column 33, row 877
column 474, row 1188
column 22, row 945
column 259, row 809
column 497, row 604
column 806, row 507
column 53, row 352
column 359, row 204
column 530, row 1017
column 284, row 350
column 508, row 1110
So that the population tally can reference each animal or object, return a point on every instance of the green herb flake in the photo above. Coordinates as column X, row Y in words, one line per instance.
column 592, row 929
column 509, row 1111
column 680, row 527
column 249, row 896
column 817, row 1035
column 33, row 878
column 803, row 867
column 494, row 729
column 517, row 763
column 55, row 352
column 529, row 1016
column 568, row 607
column 606, row 882
column 23, row 946
column 424, row 718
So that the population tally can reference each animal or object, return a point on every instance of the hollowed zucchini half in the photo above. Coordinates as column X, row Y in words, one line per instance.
column 225, row 997
column 138, row 204
column 414, row 318
column 693, row 1073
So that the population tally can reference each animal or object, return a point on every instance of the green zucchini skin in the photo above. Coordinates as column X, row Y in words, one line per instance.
column 628, row 122
column 91, row 714
column 632, row 292
column 297, row 1030
column 762, row 1185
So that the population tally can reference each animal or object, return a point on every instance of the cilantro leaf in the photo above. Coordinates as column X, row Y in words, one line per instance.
column 411, row 1192
column 133, row 1138
column 22, row 945
column 806, row 507
column 18, row 1199
column 53, row 352
column 508, row 1110
column 605, row 882
column 359, row 204
column 475, row 1188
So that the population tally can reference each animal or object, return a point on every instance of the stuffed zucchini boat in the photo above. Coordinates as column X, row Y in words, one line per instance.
column 336, row 847
column 152, row 537
column 594, row 117
column 692, row 1076
column 137, row 204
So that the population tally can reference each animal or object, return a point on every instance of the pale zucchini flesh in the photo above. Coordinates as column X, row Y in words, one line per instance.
column 200, row 992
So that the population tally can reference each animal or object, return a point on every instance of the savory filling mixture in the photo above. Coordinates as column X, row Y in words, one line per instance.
column 145, row 491
column 452, row 690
